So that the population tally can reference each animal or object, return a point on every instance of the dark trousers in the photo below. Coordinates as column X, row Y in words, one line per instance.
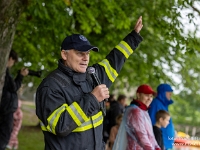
column 6, row 126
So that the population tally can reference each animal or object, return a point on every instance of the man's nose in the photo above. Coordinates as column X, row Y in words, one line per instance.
column 85, row 56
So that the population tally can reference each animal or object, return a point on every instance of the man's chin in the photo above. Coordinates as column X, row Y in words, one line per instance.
column 82, row 71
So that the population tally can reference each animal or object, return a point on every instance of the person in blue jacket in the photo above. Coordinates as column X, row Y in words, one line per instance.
column 162, row 102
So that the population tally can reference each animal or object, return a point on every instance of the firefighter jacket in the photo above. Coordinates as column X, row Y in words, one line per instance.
column 71, row 117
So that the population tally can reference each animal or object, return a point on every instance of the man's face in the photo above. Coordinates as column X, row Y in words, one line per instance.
column 168, row 95
column 76, row 60
column 145, row 98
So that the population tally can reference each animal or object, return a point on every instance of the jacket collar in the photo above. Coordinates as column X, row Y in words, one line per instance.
column 139, row 104
column 77, row 77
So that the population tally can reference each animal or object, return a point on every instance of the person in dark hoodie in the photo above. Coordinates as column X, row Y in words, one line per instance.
column 9, row 99
column 162, row 102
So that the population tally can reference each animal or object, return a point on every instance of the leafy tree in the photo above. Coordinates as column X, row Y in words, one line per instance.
column 10, row 10
column 165, row 52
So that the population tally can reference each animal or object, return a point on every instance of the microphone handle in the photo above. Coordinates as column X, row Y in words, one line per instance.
column 96, row 79
column 98, row 82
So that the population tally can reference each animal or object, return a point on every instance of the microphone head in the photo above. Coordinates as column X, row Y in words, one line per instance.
column 91, row 70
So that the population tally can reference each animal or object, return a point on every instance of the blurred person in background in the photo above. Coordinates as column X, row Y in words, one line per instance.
column 9, row 99
column 114, row 130
column 136, row 132
column 116, row 109
column 106, row 129
column 18, row 115
column 162, row 102
column 162, row 120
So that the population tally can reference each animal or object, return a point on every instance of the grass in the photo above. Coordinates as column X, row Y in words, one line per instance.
column 30, row 136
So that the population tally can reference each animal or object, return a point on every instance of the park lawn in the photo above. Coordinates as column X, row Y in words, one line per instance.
column 30, row 136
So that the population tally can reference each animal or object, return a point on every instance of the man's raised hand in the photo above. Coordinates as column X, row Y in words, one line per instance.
column 138, row 25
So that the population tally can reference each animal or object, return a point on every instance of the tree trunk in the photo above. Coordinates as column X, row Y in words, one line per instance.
column 10, row 10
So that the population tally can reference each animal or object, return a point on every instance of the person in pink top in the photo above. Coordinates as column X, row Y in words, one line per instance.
column 136, row 131
column 18, row 115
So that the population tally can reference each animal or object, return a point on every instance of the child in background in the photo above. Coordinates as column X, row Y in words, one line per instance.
column 18, row 114
column 114, row 130
column 162, row 120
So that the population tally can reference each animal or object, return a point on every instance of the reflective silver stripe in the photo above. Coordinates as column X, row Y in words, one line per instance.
column 93, row 122
column 77, row 113
column 111, row 72
column 87, row 124
column 80, row 118
column 43, row 126
column 124, row 48
column 54, row 117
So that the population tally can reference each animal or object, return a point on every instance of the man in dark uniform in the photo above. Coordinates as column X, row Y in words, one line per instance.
column 69, row 102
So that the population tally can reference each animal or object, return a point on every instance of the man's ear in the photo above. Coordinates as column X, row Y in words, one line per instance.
column 64, row 55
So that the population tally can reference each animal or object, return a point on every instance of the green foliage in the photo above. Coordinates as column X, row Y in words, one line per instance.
column 165, row 51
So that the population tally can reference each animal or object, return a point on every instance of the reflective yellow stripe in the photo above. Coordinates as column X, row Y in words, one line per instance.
column 93, row 122
column 84, row 127
column 111, row 72
column 99, row 114
column 77, row 113
column 43, row 126
column 80, row 111
column 124, row 48
column 54, row 117
column 74, row 117
column 97, row 119
column 98, row 123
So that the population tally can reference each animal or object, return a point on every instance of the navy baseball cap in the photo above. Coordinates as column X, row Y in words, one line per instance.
column 77, row 42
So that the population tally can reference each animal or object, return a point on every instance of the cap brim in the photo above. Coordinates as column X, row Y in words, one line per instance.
column 86, row 48
column 151, row 92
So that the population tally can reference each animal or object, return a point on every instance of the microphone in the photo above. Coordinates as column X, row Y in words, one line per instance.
column 91, row 71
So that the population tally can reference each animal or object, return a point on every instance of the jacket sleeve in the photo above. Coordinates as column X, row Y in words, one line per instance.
column 59, row 117
column 13, row 85
column 136, row 124
column 109, row 68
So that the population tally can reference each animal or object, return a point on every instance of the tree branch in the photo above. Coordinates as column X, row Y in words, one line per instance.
column 195, row 9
